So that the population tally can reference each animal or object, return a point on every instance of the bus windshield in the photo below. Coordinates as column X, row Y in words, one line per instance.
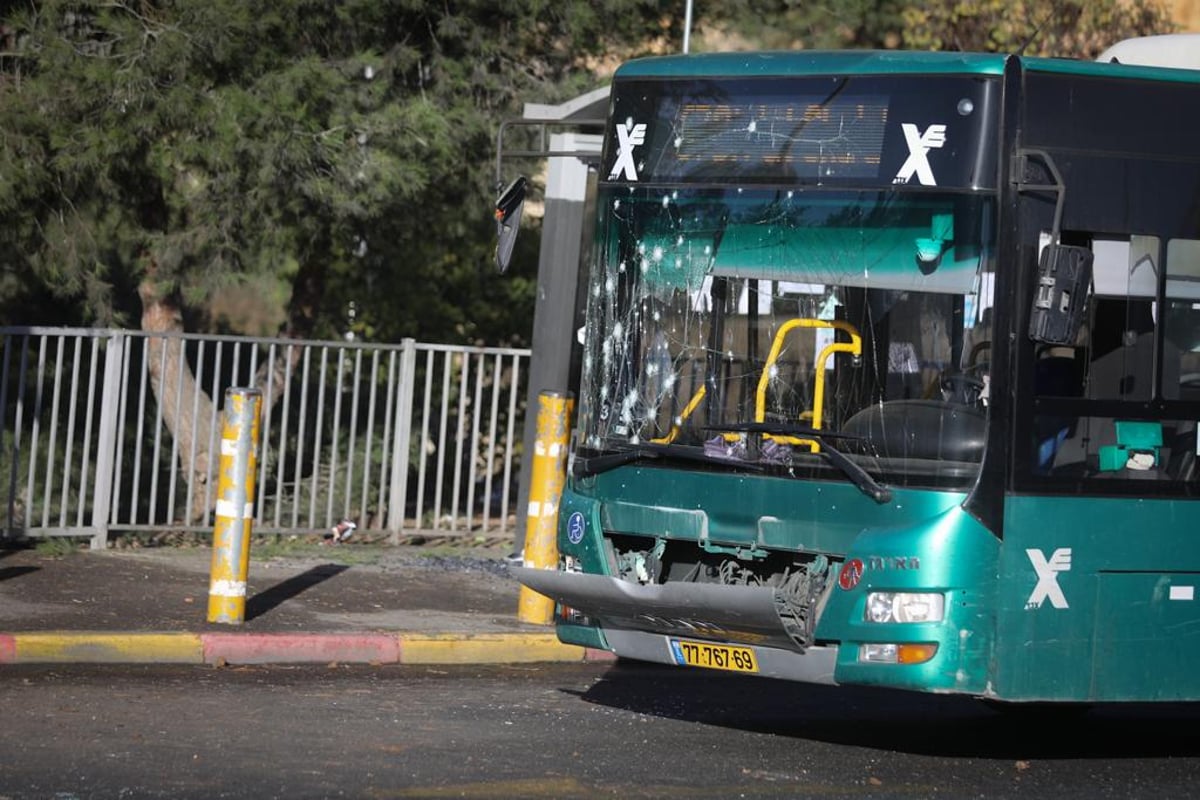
column 764, row 326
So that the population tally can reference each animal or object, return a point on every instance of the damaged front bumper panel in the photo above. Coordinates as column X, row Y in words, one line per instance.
column 640, row 620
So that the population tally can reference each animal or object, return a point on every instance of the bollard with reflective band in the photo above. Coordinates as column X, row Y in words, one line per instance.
column 546, row 479
column 235, row 507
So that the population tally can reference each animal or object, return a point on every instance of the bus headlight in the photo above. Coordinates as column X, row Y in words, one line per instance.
column 905, row 607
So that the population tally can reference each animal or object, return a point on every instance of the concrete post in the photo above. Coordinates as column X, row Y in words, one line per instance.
column 235, row 507
column 547, row 477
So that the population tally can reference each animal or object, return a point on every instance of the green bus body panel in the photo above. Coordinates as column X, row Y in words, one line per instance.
column 582, row 635
column 921, row 541
column 733, row 510
column 1121, row 595
column 813, row 62
column 1096, row 69
column 950, row 553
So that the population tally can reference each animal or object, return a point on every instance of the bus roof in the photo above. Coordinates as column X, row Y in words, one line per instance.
column 878, row 62
column 812, row 62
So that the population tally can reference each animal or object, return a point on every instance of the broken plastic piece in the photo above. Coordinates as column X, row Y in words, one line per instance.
column 340, row 532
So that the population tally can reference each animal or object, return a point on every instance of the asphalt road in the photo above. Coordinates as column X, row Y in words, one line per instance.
column 561, row 731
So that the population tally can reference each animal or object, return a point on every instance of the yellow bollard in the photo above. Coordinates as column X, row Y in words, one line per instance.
column 546, row 479
column 235, row 507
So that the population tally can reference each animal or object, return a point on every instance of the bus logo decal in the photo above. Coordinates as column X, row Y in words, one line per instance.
column 881, row 563
column 1047, row 571
column 919, row 145
column 629, row 136
column 851, row 574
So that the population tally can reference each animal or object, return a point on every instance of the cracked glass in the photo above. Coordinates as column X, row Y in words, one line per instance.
column 757, row 305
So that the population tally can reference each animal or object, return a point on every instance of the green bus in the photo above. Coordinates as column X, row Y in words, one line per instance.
column 891, row 375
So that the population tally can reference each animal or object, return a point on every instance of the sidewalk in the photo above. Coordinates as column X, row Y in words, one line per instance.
column 353, row 603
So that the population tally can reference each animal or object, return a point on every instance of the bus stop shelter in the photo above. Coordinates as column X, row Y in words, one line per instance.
column 569, row 139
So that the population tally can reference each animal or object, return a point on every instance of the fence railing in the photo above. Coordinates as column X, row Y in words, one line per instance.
column 108, row 431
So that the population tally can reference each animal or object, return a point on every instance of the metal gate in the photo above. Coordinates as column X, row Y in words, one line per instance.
column 105, row 431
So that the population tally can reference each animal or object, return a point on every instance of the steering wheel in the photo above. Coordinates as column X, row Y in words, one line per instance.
column 962, row 387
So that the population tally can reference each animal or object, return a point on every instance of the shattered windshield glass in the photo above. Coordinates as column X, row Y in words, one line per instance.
column 763, row 326
column 792, row 274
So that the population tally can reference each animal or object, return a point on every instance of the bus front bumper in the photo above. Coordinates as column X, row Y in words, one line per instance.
column 814, row 665
column 649, row 622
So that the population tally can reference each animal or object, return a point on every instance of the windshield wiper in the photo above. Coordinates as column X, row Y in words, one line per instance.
column 582, row 467
column 857, row 475
column 647, row 451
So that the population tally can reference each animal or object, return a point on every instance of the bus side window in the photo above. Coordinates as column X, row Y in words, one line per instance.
column 1118, row 351
column 1122, row 351
column 1057, row 373
column 1114, row 361
column 1181, row 319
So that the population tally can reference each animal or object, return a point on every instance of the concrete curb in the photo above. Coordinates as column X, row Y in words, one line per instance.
column 83, row 647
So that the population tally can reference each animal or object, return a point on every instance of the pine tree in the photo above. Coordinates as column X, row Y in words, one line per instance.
column 159, row 153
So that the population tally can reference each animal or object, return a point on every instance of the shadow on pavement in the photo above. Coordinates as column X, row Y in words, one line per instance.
column 894, row 720
column 264, row 601
column 15, row 572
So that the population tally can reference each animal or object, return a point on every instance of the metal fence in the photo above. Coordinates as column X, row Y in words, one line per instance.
column 108, row 431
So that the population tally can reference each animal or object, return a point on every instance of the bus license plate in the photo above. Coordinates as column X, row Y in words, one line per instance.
column 713, row 656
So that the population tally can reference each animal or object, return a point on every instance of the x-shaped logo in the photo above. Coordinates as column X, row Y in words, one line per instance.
column 919, row 145
column 629, row 136
column 1047, row 570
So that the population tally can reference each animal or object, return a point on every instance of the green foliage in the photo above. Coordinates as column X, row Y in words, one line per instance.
column 56, row 547
column 1062, row 28
column 341, row 150
column 1067, row 28
column 282, row 548
column 795, row 24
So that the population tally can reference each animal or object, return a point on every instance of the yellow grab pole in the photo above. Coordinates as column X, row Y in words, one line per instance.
column 546, row 479
column 235, row 507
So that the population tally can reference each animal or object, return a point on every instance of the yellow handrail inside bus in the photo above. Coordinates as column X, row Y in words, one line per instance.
column 854, row 347
column 687, row 412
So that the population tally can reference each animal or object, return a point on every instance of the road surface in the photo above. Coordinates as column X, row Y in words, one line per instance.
column 556, row 731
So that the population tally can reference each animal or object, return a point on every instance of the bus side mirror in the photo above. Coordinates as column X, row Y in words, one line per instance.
column 1060, row 300
column 509, row 205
